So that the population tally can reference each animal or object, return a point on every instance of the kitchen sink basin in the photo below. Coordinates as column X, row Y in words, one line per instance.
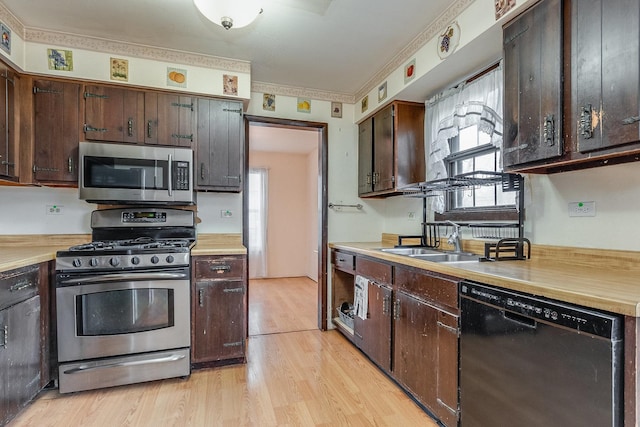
column 447, row 257
column 411, row 251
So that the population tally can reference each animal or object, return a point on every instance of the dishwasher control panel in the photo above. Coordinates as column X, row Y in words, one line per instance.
column 558, row 313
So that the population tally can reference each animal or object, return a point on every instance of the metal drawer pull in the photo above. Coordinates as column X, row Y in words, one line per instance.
column 94, row 95
column 201, row 297
column 70, row 165
column 449, row 408
column 85, row 368
column 176, row 135
column 89, row 128
column 232, row 344
column 220, row 268
column 130, row 127
column 448, row 328
column 22, row 285
column 631, row 120
column 5, row 339
column 229, row 290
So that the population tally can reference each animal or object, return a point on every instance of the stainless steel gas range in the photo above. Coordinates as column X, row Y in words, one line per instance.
column 122, row 301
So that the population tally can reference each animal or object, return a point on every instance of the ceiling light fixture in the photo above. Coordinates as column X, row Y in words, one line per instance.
column 230, row 13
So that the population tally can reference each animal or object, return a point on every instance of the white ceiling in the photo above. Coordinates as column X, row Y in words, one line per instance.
column 330, row 45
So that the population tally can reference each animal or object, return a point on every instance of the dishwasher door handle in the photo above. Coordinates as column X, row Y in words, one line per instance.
column 520, row 319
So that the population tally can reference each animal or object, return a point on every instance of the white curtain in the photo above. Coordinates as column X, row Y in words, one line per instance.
column 476, row 103
column 258, row 196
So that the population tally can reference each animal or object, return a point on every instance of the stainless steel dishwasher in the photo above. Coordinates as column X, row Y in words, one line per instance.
column 527, row 361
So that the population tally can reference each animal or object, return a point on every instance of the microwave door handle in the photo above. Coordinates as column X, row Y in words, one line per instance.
column 170, row 175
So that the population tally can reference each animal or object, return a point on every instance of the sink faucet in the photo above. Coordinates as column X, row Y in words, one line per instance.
column 454, row 238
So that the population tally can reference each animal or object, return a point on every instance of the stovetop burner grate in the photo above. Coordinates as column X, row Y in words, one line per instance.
column 138, row 243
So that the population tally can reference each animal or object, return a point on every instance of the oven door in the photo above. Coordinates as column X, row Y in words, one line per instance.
column 135, row 174
column 123, row 313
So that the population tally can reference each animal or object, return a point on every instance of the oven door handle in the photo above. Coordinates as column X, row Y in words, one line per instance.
column 125, row 277
column 85, row 368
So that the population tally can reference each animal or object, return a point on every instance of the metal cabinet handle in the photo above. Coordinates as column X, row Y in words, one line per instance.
column 368, row 178
column 586, row 127
column 177, row 104
column 95, row 95
column 233, row 290
column 89, row 128
column 631, row 120
column 149, row 128
column 385, row 306
column 232, row 344
column 70, row 164
column 39, row 169
column 178, row 136
column 5, row 340
column 447, row 407
column 448, row 328
column 22, row 285
column 130, row 127
column 549, row 130
column 202, row 170
column 396, row 309
column 220, row 268
column 201, row 297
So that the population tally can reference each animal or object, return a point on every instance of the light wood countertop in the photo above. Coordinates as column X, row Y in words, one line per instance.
column 597, row 285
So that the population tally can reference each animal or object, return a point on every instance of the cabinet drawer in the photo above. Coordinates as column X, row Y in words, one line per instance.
column 18, row 285
column 222, row 267
column 376, row 271
column 428, row 287
column 343, row 261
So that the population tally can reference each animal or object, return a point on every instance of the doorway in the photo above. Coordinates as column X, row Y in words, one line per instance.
column 254, row 125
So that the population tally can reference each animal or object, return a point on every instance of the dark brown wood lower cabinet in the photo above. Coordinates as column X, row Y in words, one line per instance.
column 373, row 335
column 426, row 355
column 218, row 310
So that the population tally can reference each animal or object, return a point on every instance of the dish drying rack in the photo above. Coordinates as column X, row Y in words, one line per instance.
column 511, row 243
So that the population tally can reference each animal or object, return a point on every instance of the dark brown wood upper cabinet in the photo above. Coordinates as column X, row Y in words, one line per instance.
column 391, row 150
column 8, row 152
column 220, row 148
column 169, row 119
column 606, row 58
column 533, row 85
column 113, row 114
column 56, row 125
column 600, row 86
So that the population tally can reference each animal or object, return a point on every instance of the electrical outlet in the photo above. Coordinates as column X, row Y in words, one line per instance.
column 582, row 209
column 55, row 209
column 411, row 216
column 226, row 213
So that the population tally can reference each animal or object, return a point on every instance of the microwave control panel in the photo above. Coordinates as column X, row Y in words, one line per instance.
column 181, row 175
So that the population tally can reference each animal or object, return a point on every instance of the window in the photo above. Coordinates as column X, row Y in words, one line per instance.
column 472, row 151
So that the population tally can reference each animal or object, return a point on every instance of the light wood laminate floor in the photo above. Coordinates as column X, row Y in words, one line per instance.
column 292, row 378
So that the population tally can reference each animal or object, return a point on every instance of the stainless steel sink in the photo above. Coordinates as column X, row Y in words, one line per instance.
column 447, row 257
column 411, row 251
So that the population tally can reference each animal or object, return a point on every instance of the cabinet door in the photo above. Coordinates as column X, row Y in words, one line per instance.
column 219, row 331
column 606, row 38
column 220, row 148
column 8, row 154
column 112, row 114
column 446, row 405
column 533, row 85
column 373, row 335
column 169, row 119
column 415, row 343
column 383, row 155
column 365, row 156
column 19, row 356
column 56, row 131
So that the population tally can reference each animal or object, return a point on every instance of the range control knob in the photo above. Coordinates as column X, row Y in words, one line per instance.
column 93, row 262
column 114, row 262
column 155, row 259
column 170, row 259
column 135, row 260
column 77, row 262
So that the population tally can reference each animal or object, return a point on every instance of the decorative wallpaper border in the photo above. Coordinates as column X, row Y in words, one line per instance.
column 8, row 18
column 300, row 92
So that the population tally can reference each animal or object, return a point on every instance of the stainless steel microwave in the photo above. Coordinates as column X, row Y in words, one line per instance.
column 126, row 174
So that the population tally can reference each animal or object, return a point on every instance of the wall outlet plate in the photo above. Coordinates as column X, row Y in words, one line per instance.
column 226, row 213
column 55, row 209
column 582, row 208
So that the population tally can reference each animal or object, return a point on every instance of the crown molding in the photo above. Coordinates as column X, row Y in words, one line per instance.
column 416, row 44
column 301, row 92
column 96, row 44
column 10, row 20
